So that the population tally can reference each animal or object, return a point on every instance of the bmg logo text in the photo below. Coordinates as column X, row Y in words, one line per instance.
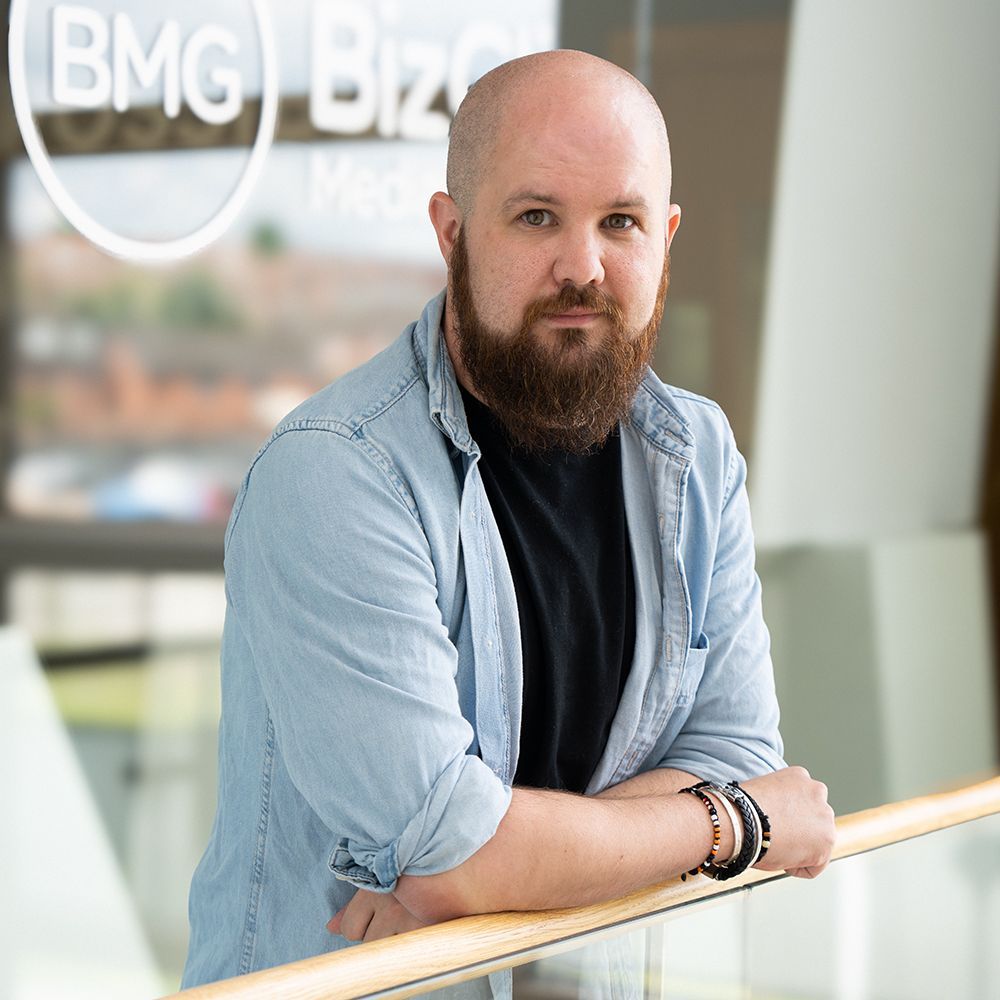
column 95, row 59
column 111, row 72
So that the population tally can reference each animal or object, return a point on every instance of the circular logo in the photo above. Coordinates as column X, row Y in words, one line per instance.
column 83, row 221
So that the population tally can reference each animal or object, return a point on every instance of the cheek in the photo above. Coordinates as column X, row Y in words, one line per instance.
column 503, row 288
column 636, row 284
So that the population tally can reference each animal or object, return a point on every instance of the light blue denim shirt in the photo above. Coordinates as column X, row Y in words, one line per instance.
column 371, row 662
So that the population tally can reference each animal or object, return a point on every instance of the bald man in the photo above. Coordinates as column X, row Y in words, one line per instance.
column 491, row 596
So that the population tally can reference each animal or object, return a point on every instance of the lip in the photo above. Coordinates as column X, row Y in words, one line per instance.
column 573, row 318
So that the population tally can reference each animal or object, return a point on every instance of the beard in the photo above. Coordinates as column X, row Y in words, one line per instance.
column 567, row 396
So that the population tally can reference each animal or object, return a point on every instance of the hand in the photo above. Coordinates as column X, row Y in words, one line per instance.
column 372, row 915
column 803, row 831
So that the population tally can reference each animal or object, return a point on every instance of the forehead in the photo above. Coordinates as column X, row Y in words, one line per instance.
column 602, row 151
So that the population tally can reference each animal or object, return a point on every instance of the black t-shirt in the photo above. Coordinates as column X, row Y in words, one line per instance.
column 562, row 520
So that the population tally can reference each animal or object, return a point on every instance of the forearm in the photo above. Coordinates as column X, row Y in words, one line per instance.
column 659, row 781
column 555, row 849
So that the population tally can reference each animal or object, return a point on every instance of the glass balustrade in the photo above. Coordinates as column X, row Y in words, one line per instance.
column 915, row 920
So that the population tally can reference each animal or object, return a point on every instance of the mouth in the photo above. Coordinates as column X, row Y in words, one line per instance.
column 573, row 317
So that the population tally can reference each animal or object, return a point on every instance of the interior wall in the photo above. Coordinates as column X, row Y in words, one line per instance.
column 879, row 316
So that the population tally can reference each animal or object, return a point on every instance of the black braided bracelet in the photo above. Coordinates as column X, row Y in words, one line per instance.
column 746, row 857
column 751, row 835
column 765, row 823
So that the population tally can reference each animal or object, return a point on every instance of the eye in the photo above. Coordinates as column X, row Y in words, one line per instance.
column 619, row 221
column 536, row 217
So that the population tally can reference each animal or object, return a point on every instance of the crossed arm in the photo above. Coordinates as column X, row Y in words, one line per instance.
column 554, row 849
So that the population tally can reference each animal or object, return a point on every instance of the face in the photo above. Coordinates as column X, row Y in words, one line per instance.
column 569, row 394
column 569, row 201
column 561, row 265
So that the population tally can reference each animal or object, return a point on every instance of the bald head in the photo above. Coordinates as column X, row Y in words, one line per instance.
column 527, row 90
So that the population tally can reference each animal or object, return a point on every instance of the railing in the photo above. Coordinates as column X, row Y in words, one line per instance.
column 465, row 949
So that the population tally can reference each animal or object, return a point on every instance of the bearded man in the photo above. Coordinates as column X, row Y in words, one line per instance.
column 491, row 596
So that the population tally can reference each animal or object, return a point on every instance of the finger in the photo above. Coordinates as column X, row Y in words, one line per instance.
column 382, row 924
column 355, row 926
column 391, row 919
column 357, row 916
column 333, row 924
column 807, row 871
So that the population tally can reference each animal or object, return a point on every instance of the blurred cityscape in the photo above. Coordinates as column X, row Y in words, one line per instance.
column 145, row 393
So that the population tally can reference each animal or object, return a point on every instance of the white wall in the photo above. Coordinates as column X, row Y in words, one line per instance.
column 878, row 322
column 882, row 664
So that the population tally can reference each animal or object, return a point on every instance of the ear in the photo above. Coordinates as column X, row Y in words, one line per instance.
column 446, row 220
column 673, row 221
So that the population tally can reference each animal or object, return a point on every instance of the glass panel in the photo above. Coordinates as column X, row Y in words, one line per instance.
column 915, row 921
column 144, row 393
column 130, row 709
column 601, row 968
column 704, row 950
column 666, row 958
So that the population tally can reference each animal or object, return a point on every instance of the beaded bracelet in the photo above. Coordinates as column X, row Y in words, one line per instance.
column 765, row 823
column 716, row 831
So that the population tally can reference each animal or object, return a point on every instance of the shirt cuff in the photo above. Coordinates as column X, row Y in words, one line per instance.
column 460, row 813
column 725, row 762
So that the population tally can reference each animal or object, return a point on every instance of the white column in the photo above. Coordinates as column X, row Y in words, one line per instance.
column 879, row 315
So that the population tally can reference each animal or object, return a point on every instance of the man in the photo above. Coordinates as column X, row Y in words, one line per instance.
column 491, row 597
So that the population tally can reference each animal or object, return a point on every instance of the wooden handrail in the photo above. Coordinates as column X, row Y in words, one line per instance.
column 464, row 949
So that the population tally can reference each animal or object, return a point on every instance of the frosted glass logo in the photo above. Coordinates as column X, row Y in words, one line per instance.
column 94, row 60
column 392, row 81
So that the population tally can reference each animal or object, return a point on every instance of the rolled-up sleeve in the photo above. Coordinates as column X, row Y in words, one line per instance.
column 732, row 729
column 331, row 578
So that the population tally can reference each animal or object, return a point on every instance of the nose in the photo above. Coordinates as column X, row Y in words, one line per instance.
column 578, row 260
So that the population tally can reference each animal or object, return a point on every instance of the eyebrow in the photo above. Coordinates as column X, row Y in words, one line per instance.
column 629, row 201
column 522, row 196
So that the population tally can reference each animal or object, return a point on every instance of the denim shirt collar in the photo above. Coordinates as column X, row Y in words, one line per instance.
column 653, row 414
column 447, row 410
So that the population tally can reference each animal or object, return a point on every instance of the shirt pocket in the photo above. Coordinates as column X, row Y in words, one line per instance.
column 694, row 669
column 682, row 705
